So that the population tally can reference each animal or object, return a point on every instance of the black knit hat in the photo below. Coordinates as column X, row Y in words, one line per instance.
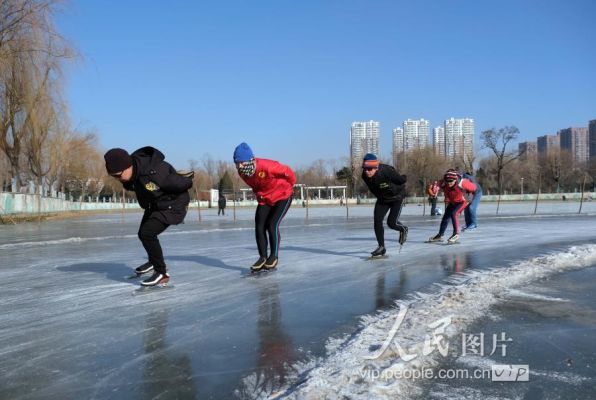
column 117, row 160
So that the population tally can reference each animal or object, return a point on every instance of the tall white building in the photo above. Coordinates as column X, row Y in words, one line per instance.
column 416, row 133
column 439, row 140
column 459, row 138
column 364, row 138
column 413, row 135
column 398, row 143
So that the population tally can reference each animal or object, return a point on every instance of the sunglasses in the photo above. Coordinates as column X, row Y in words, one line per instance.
column 369, row 168
column 117, row 175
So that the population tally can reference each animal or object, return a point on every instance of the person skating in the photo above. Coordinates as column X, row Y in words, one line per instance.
column 160, row 191
column 273, row 186
column 389, row 188
column 470, row 210
column 454, row 187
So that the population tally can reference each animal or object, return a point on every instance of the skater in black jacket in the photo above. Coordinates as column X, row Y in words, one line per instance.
column 160, row 191
column 389, row 188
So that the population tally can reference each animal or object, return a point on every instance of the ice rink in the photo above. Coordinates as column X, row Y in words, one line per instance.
column 74, row 327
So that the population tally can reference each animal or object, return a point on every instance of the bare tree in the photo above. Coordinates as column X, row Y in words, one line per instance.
column 31, row 54
column 497, row 141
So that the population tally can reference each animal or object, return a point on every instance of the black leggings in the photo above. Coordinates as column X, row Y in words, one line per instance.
column 392, row 221
column 148, row 231
column 452, row 212
column 267, row 220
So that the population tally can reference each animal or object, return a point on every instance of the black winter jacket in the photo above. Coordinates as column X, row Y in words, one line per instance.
column 386, row 184
column 160, row 191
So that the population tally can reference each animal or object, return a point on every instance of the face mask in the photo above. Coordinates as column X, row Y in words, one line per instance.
column 248, row 168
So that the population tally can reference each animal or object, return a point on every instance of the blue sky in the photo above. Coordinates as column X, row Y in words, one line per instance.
column 289, row 77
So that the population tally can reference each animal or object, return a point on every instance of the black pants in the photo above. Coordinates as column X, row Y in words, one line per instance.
column 392, row 221
column 267, row 220
column 221, row 211
column 452, row 212
column 148, row 231
column 433, row 205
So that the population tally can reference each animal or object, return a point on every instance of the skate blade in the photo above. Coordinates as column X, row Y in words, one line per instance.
column 155, row 288
column 371, row 258
column 258, row 273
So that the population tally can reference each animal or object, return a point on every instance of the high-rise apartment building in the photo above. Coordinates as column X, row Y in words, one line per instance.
column 459, row 138
column 413, row 135
column 548, row 144
column 364, row 138
column 528, row 150
column 416, row 134
column 592, row 139
column 575, row 141
column 398, row 143
column 439, row 140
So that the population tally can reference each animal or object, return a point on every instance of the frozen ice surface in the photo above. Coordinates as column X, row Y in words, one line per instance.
column 71, row 326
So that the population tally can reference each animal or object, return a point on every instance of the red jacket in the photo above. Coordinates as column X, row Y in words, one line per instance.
column 456, row 193
column 271, row 182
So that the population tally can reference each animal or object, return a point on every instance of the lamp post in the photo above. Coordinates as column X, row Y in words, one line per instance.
column 522, row 185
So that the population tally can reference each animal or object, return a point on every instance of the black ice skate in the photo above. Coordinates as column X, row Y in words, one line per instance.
column 143, row 269
column 378, row 252
column 453, row 239
column 436, row 238
column 403, row 235
column 271, row 262
column 157, row 278
column 257, row 266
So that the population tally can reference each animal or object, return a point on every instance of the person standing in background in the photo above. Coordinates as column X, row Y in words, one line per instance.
column 221, row 204
column 470, row 211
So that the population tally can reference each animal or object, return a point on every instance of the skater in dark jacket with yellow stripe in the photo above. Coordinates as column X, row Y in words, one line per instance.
column 160, row 191
column 389, row 188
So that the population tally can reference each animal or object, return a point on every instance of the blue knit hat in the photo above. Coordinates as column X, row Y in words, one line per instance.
column 243, row 153
column 370, row 161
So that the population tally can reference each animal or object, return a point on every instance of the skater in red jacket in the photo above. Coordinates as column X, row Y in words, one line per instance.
column 273, row 185
column 455, row 188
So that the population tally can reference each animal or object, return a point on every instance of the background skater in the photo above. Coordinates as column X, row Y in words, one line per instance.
column 388, row 187
column 455, row 189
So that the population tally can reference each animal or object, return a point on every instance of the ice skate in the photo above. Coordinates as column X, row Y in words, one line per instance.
column 271, row 262
column 258, row 265
column 378, row 253
column 436, row 238
column 143, row 269
column 157, row 278
column 453, row 239
column 403, row 235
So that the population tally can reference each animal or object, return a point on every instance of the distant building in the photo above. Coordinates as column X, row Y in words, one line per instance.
column 439, row 140
column 413, row 135
column 416, row 134
column 459, row 138
column 575, row 141
column 592, row 139
column 398, row 144
column 528, row 150
column 364, row 138
column 548, row 144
